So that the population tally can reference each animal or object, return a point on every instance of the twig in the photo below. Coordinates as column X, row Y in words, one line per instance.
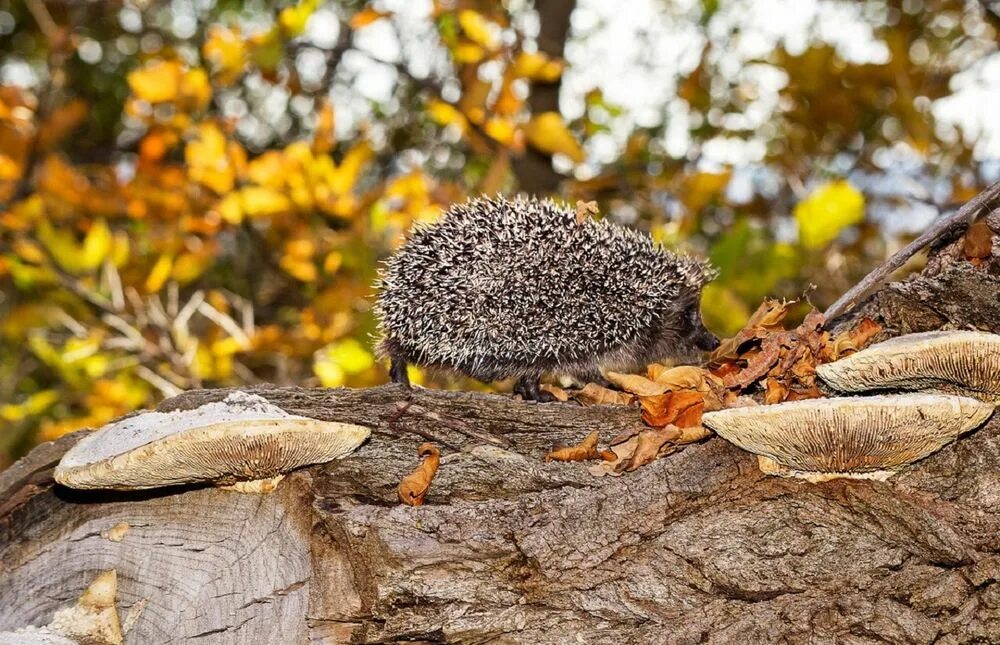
column 962, row 217
column 157, row 381
column 401, row 409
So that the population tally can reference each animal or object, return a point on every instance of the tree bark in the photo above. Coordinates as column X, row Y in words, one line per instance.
column 696, row 547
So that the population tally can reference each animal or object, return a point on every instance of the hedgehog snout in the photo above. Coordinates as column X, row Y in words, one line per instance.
column 706, row 340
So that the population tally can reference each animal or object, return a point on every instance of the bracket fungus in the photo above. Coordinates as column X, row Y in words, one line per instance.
column 242, row 438
column 954, row 362
column 853, row 437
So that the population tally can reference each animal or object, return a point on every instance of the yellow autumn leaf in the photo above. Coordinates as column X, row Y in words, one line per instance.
column 159, row 273
column 189, row 266
column 446, row 114
column 258, row 201
column 195, row 91
column 477, row 28
column 548, row 133
column 157, row 82
column 828, row 210
column 347, row 173
column 298, row 267
column 467, row 53
column 71, row 256
column 336, row 361
column 502, row 130
column 293, row 19
column 225, row 51
column 208, row 161
column 96, row 246
column 31, row 406
column 537, row 67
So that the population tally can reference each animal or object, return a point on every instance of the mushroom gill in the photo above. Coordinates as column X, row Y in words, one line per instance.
column 242, row 438
column 954, row 362
column 854, row 437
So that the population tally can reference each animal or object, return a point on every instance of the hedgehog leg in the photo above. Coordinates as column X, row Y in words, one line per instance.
column 527, row 387
column 397, row 371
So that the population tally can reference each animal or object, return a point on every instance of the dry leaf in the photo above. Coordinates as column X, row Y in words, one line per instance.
column 648, row 447
column 774, row 391
column 693, row 434
column 758, row 364
column 558, row 392
column 978, row 241
column 583, row 451
column 682, row 377
column 682, row 409
column 636, row 384
column 414, row 486
column 768, row 318
column 853, row 340
column 583, row 209
column 594, row 394
column 621, row 452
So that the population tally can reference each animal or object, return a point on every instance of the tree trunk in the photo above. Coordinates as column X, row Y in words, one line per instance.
column 533, row 169
column 696, row 547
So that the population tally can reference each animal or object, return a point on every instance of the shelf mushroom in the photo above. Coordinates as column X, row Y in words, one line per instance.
column 955, row 362
column 242, row 438
column 852, row 437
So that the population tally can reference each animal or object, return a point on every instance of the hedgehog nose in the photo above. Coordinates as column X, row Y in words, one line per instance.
column 708, row 341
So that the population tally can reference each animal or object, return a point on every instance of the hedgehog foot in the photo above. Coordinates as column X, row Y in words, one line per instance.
column 527, row 387
column 397, row 372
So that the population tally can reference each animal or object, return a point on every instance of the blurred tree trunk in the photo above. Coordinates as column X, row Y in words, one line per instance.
column 534, row 169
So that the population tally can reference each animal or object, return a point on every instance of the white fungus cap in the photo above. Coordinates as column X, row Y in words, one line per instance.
column 955, row 362
column 856, row 437
column 242, row 438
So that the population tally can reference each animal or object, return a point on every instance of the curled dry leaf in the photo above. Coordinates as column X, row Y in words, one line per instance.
column 583, row 451
column 682, row 409
column 768, row 318
column 414, row 486
column 594, row 394
column 682, row 377
column 853, row 340
column 556, row 391
column 636, row 384
column 651, row 444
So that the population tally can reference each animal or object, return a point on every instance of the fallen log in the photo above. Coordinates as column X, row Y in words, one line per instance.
column 695, row 547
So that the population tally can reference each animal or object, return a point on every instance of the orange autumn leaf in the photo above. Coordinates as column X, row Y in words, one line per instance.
column 583, row 451
column 650, row 445
column 594, row 394
column 682, row 409
column 978, row 241
column 367, row 16
column 854, row 339
column 413, row 488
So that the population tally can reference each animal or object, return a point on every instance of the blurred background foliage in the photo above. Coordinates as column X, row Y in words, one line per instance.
column 197, row 193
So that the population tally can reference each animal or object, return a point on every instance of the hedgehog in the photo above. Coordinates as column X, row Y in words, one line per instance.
column 500, row 288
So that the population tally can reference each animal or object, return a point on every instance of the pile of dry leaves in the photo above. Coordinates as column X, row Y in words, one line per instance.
column 764, row 363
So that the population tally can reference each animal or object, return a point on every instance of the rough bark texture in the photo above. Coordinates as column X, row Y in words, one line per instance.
column 696, row 547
